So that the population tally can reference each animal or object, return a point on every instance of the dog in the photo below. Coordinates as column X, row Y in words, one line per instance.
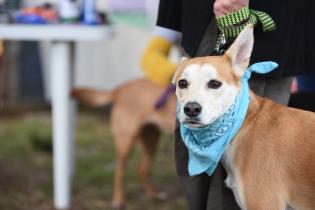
column 133, row 119
column 271, row 160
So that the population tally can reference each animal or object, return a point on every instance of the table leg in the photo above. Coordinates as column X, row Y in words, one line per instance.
column 62, row 114
column 73, row 112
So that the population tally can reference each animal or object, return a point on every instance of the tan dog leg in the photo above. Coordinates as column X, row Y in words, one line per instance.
column 149, row 139
column 267, row 200
column 124, row 143
column 261, row 204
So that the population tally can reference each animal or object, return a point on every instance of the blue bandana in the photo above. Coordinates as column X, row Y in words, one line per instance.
column 207, row 144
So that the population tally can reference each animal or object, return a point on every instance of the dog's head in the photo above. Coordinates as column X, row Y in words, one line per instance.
column 207, row 86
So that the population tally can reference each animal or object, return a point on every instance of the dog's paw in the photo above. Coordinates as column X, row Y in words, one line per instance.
column 163, row 196
column 118, row 206
column 159, row 195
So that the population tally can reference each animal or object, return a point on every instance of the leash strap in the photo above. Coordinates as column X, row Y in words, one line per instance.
column 164, row 97
column 232, row 24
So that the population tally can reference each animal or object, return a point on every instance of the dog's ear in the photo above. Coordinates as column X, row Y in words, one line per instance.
column 240, row 51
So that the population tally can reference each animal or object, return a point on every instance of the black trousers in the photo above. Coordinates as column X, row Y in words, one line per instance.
column 203, row 192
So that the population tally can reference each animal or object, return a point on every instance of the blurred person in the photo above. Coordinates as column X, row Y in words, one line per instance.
column 198, row 24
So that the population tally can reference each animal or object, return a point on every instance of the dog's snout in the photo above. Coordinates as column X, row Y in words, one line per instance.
column 192, row 109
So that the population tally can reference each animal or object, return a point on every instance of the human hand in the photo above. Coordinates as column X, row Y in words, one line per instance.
column 224, row 7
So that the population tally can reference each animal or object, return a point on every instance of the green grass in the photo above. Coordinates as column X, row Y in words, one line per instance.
column 26, row 167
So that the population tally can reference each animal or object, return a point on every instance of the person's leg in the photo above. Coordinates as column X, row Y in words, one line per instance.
column 257, row 85
column 221, row 197
column 229, row 201
column 195, row 187
column 278, row 90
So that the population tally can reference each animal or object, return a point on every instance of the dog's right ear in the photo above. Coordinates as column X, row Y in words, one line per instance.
column 240, row 51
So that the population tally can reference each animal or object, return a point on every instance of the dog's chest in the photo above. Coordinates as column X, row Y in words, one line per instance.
column 233, row 179
column 228, row 163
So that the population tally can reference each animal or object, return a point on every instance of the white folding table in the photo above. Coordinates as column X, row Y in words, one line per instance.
column 63, row 108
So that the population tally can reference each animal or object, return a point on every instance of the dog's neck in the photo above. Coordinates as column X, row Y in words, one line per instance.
column 253, row 108
column 253, row 111
column 229, row 154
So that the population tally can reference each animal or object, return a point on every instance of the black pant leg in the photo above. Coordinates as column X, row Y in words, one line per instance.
column 228, row 202
column 220, row 196
column 196, row 188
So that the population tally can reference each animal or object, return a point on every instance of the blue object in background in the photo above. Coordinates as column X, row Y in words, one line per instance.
column 306, row 83
column 89, row 14
column 31, row 79
column 30, row 19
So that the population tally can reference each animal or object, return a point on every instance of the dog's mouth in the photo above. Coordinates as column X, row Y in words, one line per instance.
column 193, row 123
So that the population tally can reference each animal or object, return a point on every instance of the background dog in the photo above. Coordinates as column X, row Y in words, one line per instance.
column 133, row 119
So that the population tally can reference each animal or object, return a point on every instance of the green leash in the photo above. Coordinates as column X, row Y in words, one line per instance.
column 232, row 24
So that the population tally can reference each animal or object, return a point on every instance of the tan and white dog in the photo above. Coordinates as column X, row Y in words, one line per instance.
column 271, row 161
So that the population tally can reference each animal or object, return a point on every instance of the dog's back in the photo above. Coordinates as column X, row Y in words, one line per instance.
column 133, row 102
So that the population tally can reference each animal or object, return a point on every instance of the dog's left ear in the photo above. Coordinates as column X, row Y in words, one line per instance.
column 240, row 51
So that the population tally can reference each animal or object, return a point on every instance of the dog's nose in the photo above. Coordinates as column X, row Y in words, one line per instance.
column 192, row 109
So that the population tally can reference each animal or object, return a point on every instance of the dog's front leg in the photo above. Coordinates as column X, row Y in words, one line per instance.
column 149, row 140
column 258, row 199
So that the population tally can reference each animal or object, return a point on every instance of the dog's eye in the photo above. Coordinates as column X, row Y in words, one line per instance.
column 182, row 84
column 214, row 84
